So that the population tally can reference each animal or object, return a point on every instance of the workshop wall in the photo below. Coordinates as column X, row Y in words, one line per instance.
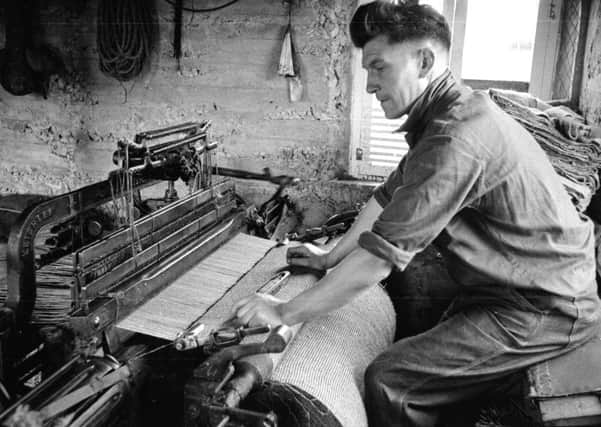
column 590, row 98
column 228, row 75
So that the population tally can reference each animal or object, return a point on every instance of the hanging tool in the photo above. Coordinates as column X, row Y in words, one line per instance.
column 194, row 335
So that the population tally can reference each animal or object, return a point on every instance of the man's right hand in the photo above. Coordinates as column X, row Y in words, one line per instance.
column 308, row 255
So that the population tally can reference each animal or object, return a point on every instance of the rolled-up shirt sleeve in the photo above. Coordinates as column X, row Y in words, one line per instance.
column 438, row 180
column 383, row 193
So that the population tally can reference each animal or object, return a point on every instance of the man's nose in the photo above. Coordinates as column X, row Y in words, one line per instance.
column 372, row 86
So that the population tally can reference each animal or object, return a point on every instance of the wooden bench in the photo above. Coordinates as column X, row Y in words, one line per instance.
column 566, row 390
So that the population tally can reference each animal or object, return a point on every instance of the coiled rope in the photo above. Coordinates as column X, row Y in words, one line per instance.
column 124, row 36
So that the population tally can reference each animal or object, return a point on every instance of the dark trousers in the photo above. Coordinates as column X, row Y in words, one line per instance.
column 484, row 338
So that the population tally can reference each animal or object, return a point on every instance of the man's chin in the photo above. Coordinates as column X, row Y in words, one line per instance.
column 393, row 115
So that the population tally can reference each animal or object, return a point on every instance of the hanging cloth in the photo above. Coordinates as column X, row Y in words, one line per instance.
column 288, row 67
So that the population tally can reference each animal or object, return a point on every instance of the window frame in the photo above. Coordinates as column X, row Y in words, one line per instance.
column 546, row 46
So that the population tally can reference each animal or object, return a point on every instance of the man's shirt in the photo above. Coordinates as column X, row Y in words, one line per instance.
column 478, row 185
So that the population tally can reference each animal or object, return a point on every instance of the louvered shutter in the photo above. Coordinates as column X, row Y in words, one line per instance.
column 381, row 147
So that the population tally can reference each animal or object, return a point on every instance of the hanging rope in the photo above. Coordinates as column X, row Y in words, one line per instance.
column 124, row 36
column 208, row 9
column 177, row 32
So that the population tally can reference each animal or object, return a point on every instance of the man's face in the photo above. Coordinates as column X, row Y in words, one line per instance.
column 392, row 74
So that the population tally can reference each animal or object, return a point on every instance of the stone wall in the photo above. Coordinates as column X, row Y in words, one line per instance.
column 590, row 98
column 228, row 75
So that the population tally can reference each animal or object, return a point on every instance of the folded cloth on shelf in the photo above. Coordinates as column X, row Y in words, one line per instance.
column 569, row 142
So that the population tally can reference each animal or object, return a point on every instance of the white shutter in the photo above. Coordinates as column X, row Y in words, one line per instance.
column 380, row 148
column 386, row 146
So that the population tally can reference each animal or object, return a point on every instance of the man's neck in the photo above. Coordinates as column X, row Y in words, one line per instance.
column 436, row 73
column 428, row 103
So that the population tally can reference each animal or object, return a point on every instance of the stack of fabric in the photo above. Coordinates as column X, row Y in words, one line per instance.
column 573, row 147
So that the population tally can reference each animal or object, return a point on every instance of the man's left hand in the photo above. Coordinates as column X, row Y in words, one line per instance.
column 258, row 309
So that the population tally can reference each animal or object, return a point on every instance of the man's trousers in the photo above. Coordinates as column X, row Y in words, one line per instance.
column 484, row 338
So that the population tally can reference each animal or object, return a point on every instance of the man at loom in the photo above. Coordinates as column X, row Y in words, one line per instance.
column 476, row 184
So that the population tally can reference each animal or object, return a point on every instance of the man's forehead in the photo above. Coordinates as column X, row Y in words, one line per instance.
column 376, row 45
column 379, row 48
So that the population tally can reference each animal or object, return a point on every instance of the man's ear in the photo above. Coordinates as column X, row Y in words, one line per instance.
column 426, row 57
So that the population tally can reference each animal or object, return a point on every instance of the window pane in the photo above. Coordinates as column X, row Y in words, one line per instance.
column 499, row 39
column 436, row 4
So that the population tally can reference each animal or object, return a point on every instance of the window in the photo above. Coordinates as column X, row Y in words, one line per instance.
column 486, row 58
column 483, row 52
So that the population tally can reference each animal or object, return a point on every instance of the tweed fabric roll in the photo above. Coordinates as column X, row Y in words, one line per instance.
column 327, row 358
column 329, row 355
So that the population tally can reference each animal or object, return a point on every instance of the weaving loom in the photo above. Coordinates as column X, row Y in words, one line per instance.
column 100, row 281
column 79, row 262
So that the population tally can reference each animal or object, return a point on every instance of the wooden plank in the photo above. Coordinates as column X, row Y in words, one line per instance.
column 192, row 294
column 571, row 410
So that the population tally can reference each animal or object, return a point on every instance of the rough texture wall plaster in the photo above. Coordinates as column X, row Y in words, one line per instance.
column 590, row 98
column 228, row 75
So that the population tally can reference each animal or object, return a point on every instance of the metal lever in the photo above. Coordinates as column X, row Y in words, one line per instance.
column 276, row 342
column 281, row 180
column 232, row 336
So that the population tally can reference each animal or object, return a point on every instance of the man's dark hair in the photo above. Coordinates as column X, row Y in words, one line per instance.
column 399, row 22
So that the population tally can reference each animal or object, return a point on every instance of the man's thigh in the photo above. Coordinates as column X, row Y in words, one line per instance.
column 460, row 356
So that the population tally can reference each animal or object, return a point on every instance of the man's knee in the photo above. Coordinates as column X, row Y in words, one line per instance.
column 375, row 376
column 384, row 383
column 386, row 395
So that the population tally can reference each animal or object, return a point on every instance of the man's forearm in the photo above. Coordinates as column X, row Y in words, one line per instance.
column 348, row 243
column 358, row 271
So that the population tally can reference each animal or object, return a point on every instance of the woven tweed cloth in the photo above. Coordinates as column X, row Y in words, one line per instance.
column 329, row 354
